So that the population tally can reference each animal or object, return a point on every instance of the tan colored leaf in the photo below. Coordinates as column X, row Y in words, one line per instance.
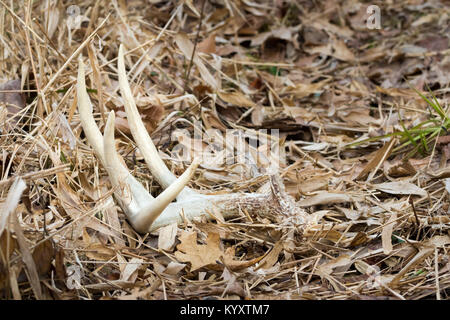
column 208, row 45
column 174, row 267
column 400, row 168
column 52, row 16
column 341, row 261
column 311, row 185
column 424, row 252
column 97, row 78
column 12, row 99
column 167, row 235
column 373, row 165
column 130, row 271
column 280, row 33
column 271, row 258
column 60, row 268
column 359, row 239
column 43, row 256
column 6, row 242
column 324, row 197
column 323, row 24
column 98, row 251
column 341, row 51
column 335, row 48
column 187, row 47
column 440, row 241
column 198, row 255
column 208, row 255
column 315, row 146
column 27, row 259
column 350, row 213
column 400, row 187
column 236, row 98
column 211, row 121
column 386, row 234
column 301, row 90
column 14, row 270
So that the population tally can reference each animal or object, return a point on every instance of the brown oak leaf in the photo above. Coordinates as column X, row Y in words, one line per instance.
column 210, row 254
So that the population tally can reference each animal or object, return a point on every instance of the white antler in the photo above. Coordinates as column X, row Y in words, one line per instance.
column 140, row 206
column 145, row 212
column 159, row 170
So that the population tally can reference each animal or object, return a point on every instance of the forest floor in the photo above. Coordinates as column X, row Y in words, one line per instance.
column 353, row 100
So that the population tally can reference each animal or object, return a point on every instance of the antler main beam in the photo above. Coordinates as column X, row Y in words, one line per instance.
column 145, row 212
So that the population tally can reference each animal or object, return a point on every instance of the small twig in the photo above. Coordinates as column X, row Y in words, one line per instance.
column 411, row 201
column 35, row 175
column 42, row 206
column 436, row 274
column 188, row 73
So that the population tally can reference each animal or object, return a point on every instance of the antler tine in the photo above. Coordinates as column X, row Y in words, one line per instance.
column 90, row 128
column 151, row 212
column 133, row 197
column 141, row 210
column 157, row 167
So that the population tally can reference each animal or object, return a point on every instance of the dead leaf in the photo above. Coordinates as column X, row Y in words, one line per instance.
column 386, row 234
column 324, row 197
column 341, row 261
column 208, row 255
column 187, row 47
column 400, row 187
column 350, row 214
column 98, row 251
column 27, row 259
column 166, row 238
column 14, row 101
column 199, row 255
column 400, row 168
column 60, row 268
column 174, row 267
column 14, row 270
column 335, row 48
column 301, row 90
column 424, row 252
column 439, row 241
column 129, row 274
column 43, row 256
column 380, row 156
column 235, row 98
column 283, row 33
column 358, row 240
column 6, row 242
column 208, row 45
column 272, row 257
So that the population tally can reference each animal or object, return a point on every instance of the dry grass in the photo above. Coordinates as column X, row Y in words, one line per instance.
column 379, row 221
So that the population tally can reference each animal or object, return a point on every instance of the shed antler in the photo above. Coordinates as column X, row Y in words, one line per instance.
column 145, row 212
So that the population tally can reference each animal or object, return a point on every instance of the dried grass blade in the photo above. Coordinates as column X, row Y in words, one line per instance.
column 376, row 162
column 28, row 259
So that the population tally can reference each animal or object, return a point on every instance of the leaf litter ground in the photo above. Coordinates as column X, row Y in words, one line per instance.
column 366, row 156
